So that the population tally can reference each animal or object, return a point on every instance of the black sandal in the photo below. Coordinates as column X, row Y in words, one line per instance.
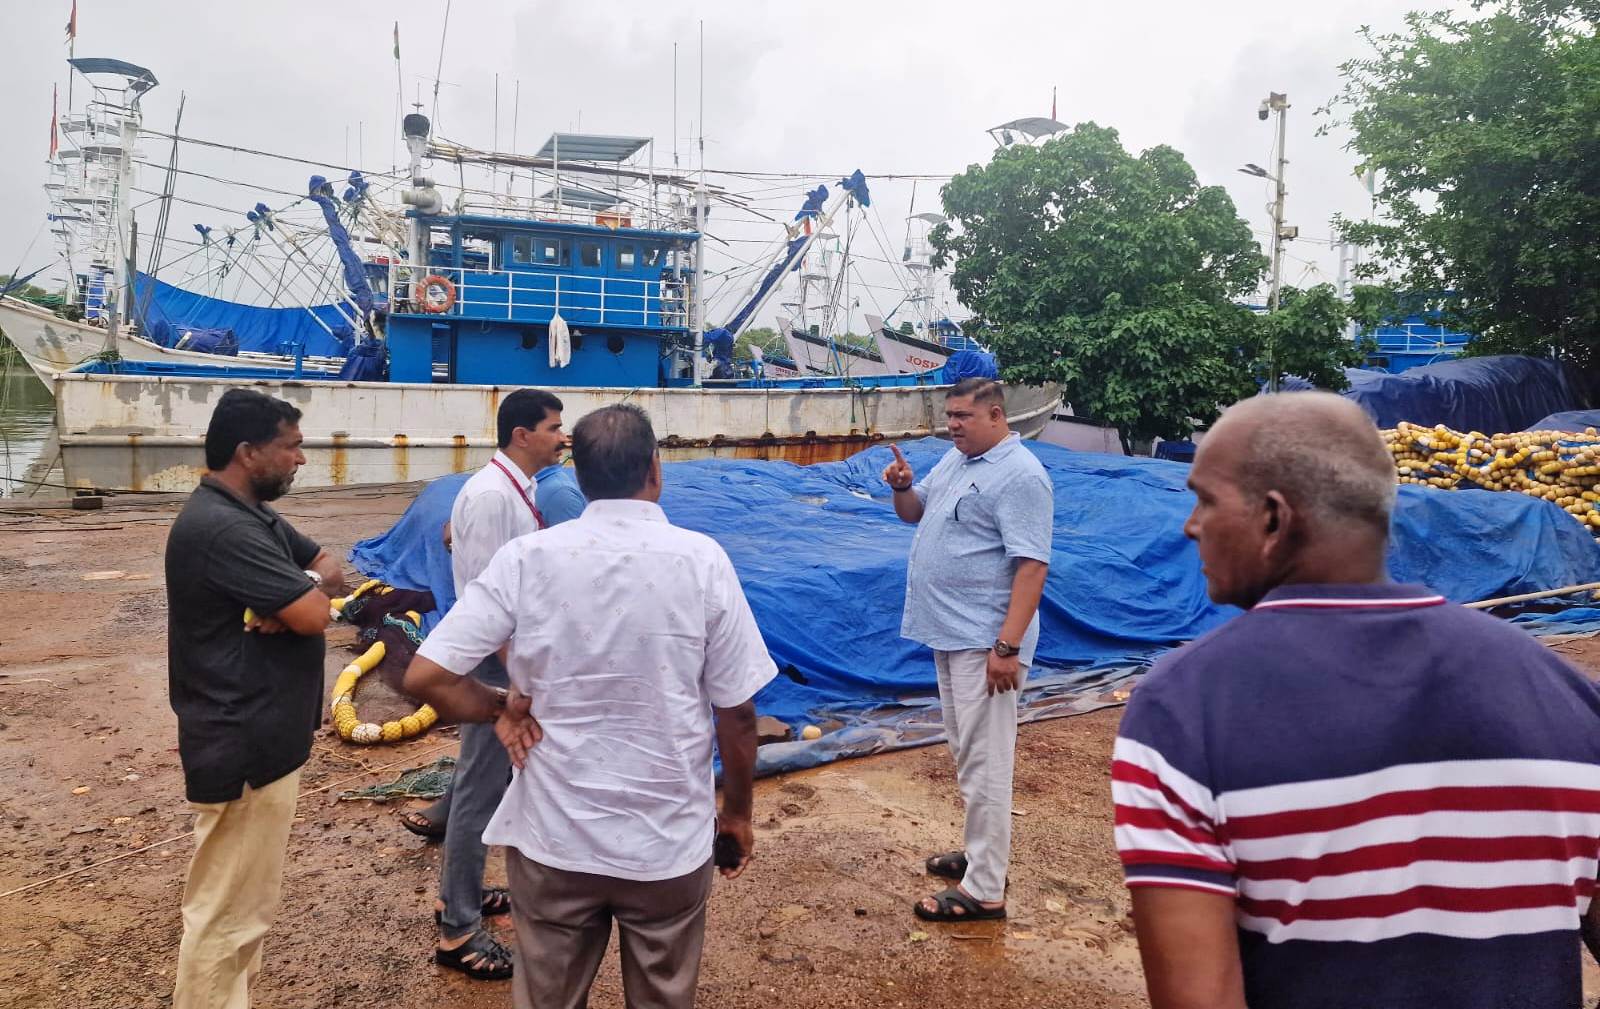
column 481, row 958
column 421, row 824
column 947, row 901
column 950, row 865
column 496, row 901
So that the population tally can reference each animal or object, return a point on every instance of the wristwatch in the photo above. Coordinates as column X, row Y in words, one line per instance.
column 501, row 694
column 1005, row 649
column 316, row 579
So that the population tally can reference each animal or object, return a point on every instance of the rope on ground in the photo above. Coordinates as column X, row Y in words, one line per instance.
column 36, row 884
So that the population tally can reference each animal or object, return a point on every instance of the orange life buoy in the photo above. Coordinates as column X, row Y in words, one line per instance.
column 434, row 294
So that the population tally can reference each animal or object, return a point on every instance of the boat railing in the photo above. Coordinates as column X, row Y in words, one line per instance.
column 1413, row 338
column 537, row 296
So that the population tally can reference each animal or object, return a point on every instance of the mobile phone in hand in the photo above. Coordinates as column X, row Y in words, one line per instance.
column 725, row 851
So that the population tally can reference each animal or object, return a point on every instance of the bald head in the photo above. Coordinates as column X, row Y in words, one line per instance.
column 1319, row 450
column 1292, row 487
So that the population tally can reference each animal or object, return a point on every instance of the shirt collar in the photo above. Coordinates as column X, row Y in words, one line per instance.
column 1377, row 595
column 260, row 510
column 625, row 508
column 523, row 480
column 999, row 451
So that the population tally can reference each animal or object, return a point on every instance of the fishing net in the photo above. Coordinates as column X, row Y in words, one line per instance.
column 430, row 781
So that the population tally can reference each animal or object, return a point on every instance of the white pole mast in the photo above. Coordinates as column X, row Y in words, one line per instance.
column 700, row 227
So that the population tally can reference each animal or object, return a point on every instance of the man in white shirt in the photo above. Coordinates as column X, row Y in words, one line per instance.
column 625, row 635
column 494, row 507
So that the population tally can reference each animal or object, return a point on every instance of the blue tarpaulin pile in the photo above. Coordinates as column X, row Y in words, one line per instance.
column 1488, row 394
column 166, row 311
column 822, row 558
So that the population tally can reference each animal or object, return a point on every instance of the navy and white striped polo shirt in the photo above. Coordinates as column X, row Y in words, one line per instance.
column 1402, row 795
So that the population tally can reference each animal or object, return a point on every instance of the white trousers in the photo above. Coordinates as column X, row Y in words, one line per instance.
column 983, row 739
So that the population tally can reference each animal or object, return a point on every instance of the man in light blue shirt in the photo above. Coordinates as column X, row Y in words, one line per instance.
column 984, row 517
column 557, row 495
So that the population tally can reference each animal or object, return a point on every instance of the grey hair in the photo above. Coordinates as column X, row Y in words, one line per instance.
column 1322, row 453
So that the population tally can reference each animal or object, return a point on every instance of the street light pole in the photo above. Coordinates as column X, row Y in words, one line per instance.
column 1278, row 104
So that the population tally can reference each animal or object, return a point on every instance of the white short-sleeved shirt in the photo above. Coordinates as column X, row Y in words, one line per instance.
column 626, row 631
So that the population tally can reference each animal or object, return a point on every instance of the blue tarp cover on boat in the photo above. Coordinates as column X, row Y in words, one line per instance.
column 822, row 558
column 968, row 364
column 1488, row 394
column 167, row 311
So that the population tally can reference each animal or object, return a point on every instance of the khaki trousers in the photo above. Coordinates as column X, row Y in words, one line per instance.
column 563, row 924
column 232, row 893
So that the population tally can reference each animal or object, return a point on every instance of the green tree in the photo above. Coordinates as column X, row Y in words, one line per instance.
column 1308, row 334
column 1116, row 276
column 1482, row 130
column 764, row 337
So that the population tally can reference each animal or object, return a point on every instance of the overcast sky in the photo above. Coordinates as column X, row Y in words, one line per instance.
column 889, row 87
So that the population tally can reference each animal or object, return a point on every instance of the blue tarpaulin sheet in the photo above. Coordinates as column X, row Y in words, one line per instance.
column 1488, row 394
column 822, row 558
column 167, row 311
column 1569, row 420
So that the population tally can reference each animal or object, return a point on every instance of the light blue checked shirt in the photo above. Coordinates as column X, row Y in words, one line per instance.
column 980, row 515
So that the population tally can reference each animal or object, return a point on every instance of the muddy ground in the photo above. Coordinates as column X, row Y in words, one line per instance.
column 88, row 754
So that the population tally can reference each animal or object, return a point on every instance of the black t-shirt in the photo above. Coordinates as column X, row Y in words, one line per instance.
column 247, row 703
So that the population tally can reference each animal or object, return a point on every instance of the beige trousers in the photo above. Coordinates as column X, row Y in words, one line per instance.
column 232, row 893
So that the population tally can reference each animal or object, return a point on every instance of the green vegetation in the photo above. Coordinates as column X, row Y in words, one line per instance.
column 1482, row 131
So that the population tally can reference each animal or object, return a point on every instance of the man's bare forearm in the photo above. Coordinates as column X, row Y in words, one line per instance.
column 459, row 699
column 736, row 742
column 908, row 506
column 1027, row 588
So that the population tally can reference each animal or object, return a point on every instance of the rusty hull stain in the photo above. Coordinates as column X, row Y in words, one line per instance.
column 458, row 453
column 339, row 464
column 402, row 458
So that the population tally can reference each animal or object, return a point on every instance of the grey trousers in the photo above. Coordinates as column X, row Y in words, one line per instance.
column 983, row 739
column 481, row 775
column 563, row 924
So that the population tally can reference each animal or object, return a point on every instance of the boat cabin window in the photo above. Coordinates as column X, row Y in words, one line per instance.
column 627, row 258
column 522, row 249
column 551, row 252
column 651, row 255
column 589, row 254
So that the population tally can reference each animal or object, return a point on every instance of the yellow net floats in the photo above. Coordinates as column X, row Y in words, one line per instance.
column 1562, row 467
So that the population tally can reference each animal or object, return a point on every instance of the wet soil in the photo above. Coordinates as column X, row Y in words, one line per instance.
column 94, row 790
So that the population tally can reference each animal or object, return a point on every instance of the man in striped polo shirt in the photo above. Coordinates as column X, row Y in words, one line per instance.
column 1355, row 794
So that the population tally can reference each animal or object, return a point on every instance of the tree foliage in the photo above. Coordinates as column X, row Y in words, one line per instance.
column 1120, row 277
column 1482, row 130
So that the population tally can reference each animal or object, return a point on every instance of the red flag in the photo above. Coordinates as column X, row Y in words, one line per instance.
column 52, row 121
column 72, row 22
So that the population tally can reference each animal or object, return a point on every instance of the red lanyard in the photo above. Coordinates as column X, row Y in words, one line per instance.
column 538, row 518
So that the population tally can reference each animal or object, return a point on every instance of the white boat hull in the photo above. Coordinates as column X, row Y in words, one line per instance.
column 122, row 432
column 902, row 355
column 51, row 344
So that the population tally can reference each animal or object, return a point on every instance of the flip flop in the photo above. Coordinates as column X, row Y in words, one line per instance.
column 419, row 823
column 481, row 958
column 950, row 865
column 947, row 901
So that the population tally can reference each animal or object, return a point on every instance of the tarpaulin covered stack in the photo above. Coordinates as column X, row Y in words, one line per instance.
column 822, row 558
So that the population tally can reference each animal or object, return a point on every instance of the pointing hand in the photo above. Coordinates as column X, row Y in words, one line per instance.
column 898, row 474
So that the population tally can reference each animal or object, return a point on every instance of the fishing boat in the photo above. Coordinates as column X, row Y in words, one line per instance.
column 590, row 287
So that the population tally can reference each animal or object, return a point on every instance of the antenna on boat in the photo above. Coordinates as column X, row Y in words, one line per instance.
column 700, row 226
column 439, row 70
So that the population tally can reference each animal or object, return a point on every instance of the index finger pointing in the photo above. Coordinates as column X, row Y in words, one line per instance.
column 896, row 450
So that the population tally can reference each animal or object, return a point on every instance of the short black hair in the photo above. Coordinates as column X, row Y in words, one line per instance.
column 524, row 408
column 984, row 391
column 244, row 417
column 611, row 452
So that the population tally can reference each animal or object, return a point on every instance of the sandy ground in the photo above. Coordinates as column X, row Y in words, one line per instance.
column 88, row 748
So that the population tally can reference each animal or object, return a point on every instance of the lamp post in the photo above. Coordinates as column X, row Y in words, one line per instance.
column 1275, row 104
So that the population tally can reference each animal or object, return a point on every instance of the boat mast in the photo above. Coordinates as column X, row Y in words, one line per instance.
column 700, row 228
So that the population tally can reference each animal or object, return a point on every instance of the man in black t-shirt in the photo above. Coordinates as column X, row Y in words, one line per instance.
column 247, row 603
